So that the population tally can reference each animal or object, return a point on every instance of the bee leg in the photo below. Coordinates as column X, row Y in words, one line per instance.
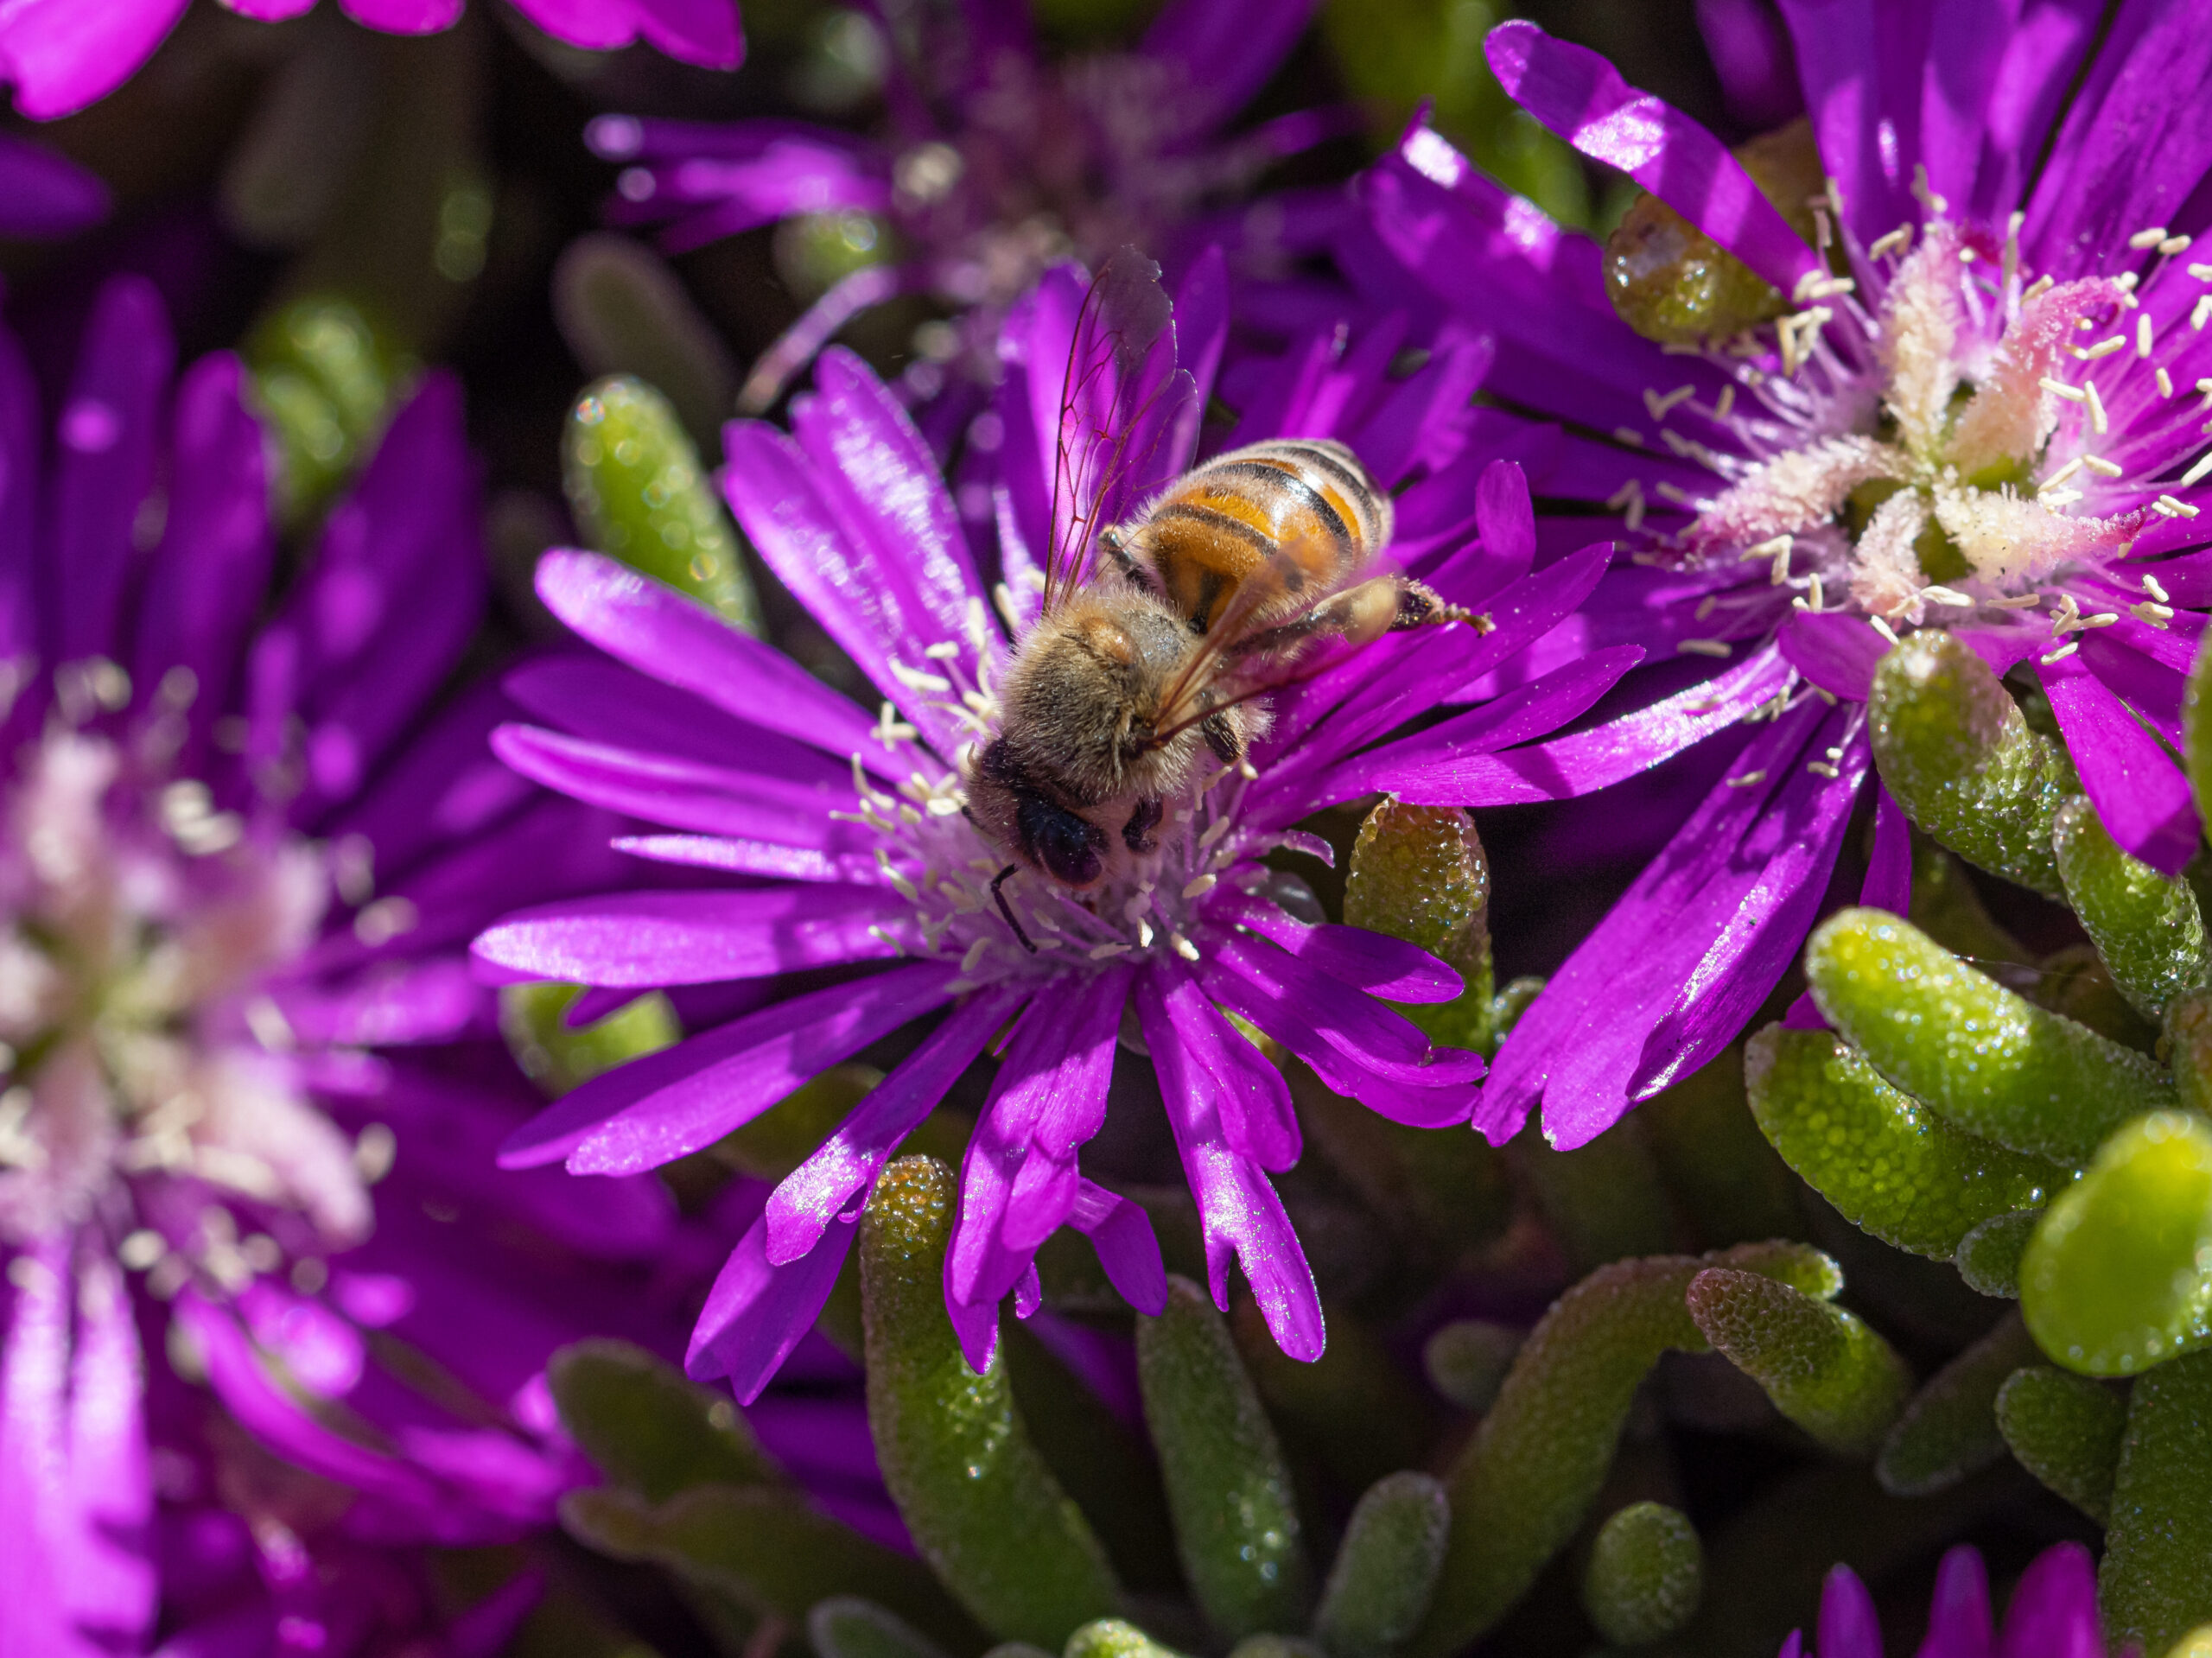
column 1007, row 909
column 1136, row 833
column 1223, row 738
column 1419, row 605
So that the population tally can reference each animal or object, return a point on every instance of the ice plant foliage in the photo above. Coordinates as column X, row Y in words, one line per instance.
column 61, row 55
column 222, row 881
column 1982, row 410
column 822, row 839
column 997, row 161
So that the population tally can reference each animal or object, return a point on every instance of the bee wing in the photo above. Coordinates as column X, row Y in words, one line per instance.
column 1119, row 395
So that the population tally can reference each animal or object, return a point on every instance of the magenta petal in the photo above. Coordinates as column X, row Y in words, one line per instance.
column 852, row 580
column 658, row 1107
column 109, row 433
column 2054, row 1609
column 1570, row 766
column 698, row 937
column 2140, row 793
column 1848, row 1627
column 43, row 194
column 705, row 32
column 63, row 54
column 1359, row 1026
column 109, row 1577
column 1835, row 652
column 403, row 16
column 680, row 642
column 1888, row 884
column 977, row 1326
column 724, row 800
column 1958, row 1613
column 1249, row 1094
column 1049, row 1093
column 204, row 582
column 1373, row 962
column 846, row 1165
column 1122, row 1234
column 1582, row 97
column 756, row 1313
column 35, row 1520
column 1239, row 1213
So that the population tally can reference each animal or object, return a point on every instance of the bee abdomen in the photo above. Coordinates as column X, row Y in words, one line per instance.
column 1308, row 499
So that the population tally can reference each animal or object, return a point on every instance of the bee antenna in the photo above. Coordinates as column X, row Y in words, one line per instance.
column 1006, row 909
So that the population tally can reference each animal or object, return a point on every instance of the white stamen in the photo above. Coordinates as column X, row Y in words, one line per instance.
column 2173, row 509
column 1200, row 886
column 2156, row 588
column 1660, row 407
column 942, row 651
column 1704, row 647
column 1883, row 628
column 2196, row 473
column 2039, row 287
column 2143, row 336
column 2060, row 389
column 1724, row 402
column 1896, row 241
column 1183, row 947
column 1628, row 435
column 2061, row 653
column 2156, row 615
column 2102, row 348
column 2202, row 272
column 2165, row 384
column 2174, row 244
column 2101, row 466
column 2203, row 313
column 1747, row 779
column 2065, row 472
column 2098, row 422
column 2147, row 239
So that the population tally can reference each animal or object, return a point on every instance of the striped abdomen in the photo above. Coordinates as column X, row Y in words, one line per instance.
column 1306, row 499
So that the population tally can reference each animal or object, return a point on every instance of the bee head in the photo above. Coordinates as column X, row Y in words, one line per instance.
column 1014, row 811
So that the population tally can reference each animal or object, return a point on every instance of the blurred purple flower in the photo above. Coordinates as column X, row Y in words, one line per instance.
column 995, row 163
column 840, row 840
column 1990, row 425
column 223, row 881
column 2053, row 1613
column 43, row 194
column 61, row 55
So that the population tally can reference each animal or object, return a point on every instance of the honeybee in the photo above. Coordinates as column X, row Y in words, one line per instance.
column 1157, row 637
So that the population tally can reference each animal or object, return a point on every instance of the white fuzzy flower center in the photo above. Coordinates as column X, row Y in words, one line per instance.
column 1942, row 447
column 135, row 924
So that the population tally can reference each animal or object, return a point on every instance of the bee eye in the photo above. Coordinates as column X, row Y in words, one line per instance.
column 1065, row 844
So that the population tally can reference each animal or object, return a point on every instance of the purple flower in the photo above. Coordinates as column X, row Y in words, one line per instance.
column 223, row 881
column 823, row 842
column 2053, row 1613
column 1989, row 423
column 62, row 55
column 995, row 163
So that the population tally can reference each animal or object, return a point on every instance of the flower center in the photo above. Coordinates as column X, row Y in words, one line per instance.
column 1949, row 449
column 936, row 859
column 144, row 1060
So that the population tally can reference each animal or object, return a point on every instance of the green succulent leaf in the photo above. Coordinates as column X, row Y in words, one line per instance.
column 1236, row 1524
column 1111, row 1637
column 1467, row 1360
column 649, row 1428
column 1646, row 1575
column 1419, row 874
column 2118, row 1276
column 1949, row 1429
column 2066, row 1431
column 634, row 483
column 1890, row 1165
column 767, row 1548
column 2155, row 1584
column 848, row 1626
column 984, row 1509
column 1985, row 1060
column 1989, row 1256
column 1526, row 1480
column 1386, row 1567
column 557, row 1056
column 1958, row 754
column 1824, row 1368
column 2145, row 925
